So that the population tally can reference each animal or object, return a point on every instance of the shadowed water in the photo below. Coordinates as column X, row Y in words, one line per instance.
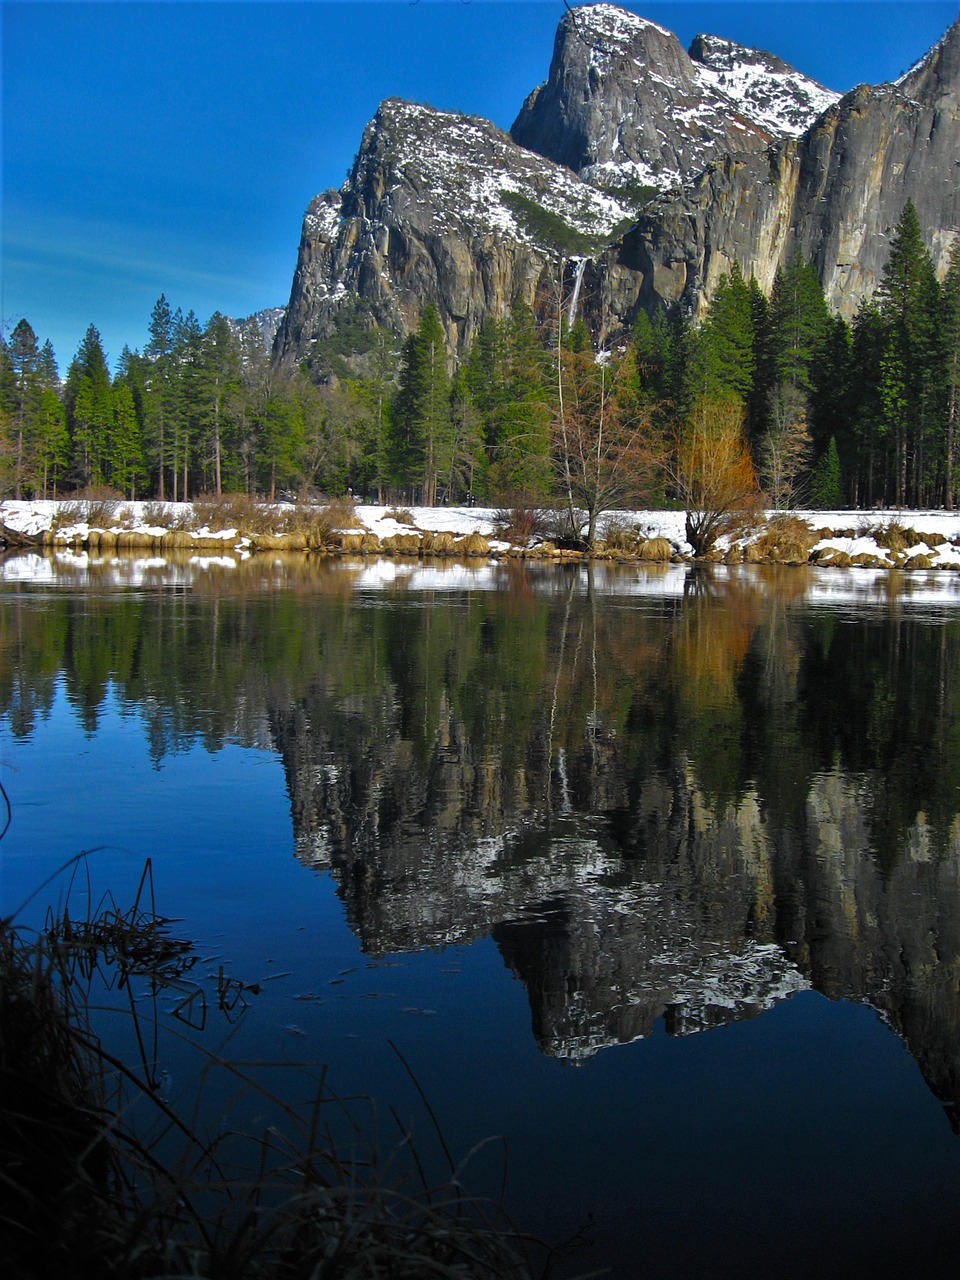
column 538, row 828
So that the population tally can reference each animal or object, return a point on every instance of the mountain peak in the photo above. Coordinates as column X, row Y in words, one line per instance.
column 610, row 22
column 625, row 105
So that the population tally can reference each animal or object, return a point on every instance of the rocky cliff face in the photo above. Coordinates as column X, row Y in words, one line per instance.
column 835, row 194
column 751, row 161
column 440, row 208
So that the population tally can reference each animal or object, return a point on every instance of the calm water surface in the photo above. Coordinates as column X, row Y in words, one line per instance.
column 654, row 874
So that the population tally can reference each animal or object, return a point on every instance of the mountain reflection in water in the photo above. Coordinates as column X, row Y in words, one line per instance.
column 672, row 794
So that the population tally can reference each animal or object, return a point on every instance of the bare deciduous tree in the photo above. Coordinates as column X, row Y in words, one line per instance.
column 604, row 450
column 785, row 449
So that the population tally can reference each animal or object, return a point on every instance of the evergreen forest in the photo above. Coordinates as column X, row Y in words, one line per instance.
column 826, row 413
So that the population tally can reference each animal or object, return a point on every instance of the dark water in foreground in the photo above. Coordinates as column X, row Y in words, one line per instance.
column 656, row 875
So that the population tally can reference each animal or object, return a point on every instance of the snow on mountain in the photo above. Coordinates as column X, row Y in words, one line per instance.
column 769, row 91
column 616, row 28
column 460, row 168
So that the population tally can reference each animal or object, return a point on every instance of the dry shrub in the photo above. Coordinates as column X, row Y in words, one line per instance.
column 67, row 514
column 102, row 513
column 714, row 474
column 322, row 525
column 620, row 534
column 342, row 514
column 157, row 514
column 99, row 507
column 234, row 511
column 521, row 524
column 402, row 515
column 182, row 517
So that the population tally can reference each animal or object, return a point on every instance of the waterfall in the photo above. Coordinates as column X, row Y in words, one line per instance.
column 575, row 296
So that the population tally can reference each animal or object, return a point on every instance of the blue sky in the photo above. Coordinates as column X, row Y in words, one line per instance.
column 172, row 147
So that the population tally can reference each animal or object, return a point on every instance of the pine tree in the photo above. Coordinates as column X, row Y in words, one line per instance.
column 51, row 443
column 518, row 437
column 726, row 349
column 7, row 409
column 799, row 319
column 870, row 434
column 764, row 373
column 186, row 403
column 47, row 370
column 909, row 301
column 218, row 386
column 437, row 424
column 89, row 401
column 158, row 353
column 287, row 413
column 123, row 457
column 421, row 425
column 826, row 491
column 467, row 456
column 485, row 373
column 23, row 354
column 951, row 364
column 404, row 448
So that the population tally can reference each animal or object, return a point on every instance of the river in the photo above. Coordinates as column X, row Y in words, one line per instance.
column 651, row 874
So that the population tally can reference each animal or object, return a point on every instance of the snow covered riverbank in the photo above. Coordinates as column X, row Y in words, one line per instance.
column 877, row 539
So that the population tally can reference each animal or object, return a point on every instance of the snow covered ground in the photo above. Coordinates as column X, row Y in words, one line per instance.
column 32, row 518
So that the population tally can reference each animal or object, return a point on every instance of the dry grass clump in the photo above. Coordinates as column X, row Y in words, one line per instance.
column 100, row 1176
column 321, row 525
column 898, row 538
column 893, row 535
column 442, row 543
column 402, row 515
column 472, row 544
column 786, row 538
